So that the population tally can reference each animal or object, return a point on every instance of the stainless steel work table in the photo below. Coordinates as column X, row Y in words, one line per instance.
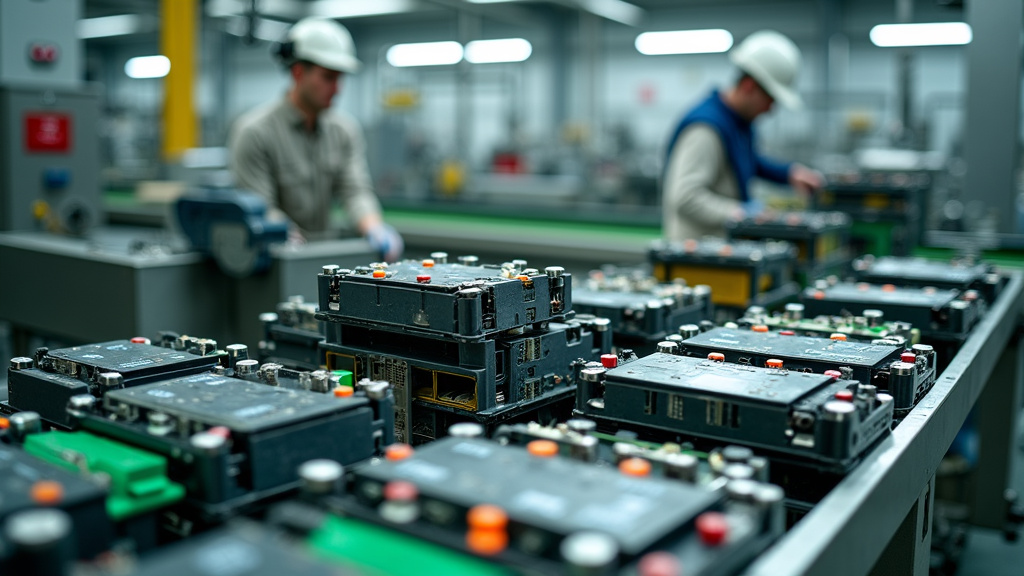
column 878, row 519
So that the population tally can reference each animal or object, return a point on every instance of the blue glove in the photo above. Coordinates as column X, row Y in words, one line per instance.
column 386, row 240
column 752, row 208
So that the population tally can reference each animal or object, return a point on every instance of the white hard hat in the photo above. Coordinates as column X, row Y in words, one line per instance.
column 323, row 42
column 773, row 60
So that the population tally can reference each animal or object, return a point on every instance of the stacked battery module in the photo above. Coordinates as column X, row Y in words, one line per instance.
column 459, row 341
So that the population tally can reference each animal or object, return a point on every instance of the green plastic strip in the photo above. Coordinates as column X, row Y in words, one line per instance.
column 373, row 549
column 138, row 479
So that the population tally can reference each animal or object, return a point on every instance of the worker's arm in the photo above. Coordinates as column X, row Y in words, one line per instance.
column 800, row 177
column 355, row 190
column 252, row 167
column 692, row 171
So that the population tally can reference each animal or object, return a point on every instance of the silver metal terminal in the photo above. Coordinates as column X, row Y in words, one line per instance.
column 689, row 330
column 469, row 260
column 592, row 374
column 959, row 305
column 740, row 454
column 320, row 381
column 681, row 466
column 207, row 441
column 37, row 528
column 760, row 466
column 838, row 410
column 376, row 390
column 554, row 271
column 206, row 346
column 160, row 424
column 25, row 423
column 768, row 494
column 738, row 471
column 466, row 430
column 601, row 324
column 581, row 425
column 79, row 404
column 266, row 318
column 623, row 450
column 794, row 311
column 667, row 347
column 470, row 293
column 246, row 367
column 321, row 476
column 21, row 363
column 439, row 257
column 269, row 373
column 741, row 489
column 519, row 265
column 869, row 390
column 882, row 397
column 922, row 349
column 701, row 291
column 110, row 380
column 873, row 316
column 331, row 269
column 902, row 368
column 591, row 551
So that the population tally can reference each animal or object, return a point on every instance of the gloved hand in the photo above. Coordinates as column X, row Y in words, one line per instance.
column 386, row 240
column 753, row 208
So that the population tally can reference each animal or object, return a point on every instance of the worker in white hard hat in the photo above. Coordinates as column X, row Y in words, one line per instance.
column 299, row 154
column 712, row 157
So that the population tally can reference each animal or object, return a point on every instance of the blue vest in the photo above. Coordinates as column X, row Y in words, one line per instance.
column 737, row 137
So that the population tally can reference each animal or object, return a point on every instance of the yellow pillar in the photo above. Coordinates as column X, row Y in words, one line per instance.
column 178, row 42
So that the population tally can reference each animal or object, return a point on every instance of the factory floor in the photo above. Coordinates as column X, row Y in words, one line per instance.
column 986, row 552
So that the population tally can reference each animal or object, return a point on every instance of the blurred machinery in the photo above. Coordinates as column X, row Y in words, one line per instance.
column 49, row 160
column 232, row 226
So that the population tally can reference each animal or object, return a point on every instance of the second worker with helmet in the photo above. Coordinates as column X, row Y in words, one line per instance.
column 301, row 156
column 712, row 157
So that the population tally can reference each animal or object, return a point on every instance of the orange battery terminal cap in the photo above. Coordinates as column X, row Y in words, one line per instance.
column 542, row 448
column 635, row 467
column 398, row 451
column 344, row 391
column 47, row 492
column 486, row 542
column 486, row 517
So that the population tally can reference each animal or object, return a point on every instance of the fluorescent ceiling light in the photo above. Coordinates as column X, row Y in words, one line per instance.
column 357, row 8
column 147, row 67
column 292, row 10
column 684, row 42
column 493, row 51
column 106, row 26
column 935, row 34
column 424, row 54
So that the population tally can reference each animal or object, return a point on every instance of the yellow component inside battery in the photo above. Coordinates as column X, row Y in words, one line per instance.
column 729, row 286
column 827, row 245
column 876, row 201
column 445, row 388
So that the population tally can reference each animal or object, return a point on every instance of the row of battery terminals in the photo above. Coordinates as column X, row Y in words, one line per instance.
column 167, row 464
column 207, row 499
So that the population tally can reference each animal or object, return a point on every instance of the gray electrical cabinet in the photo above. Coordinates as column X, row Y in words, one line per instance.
column 49, row 159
